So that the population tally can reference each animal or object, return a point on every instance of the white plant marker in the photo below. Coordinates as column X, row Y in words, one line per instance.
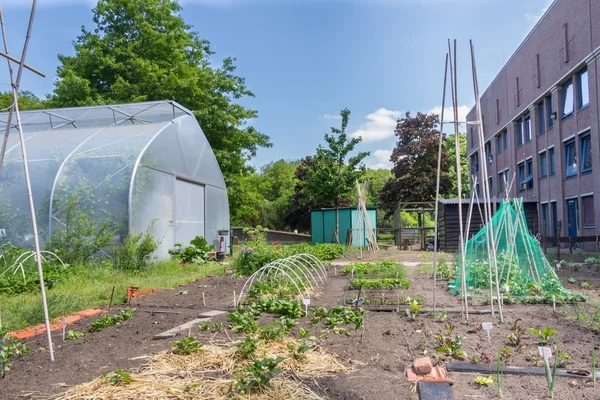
column 64, row 327
column 335, row 270
column 234, row 299
column 203, row 299
column 487, row 326
column 546, row 353
column 352, row 273
column 554, row 302
column 306, row 303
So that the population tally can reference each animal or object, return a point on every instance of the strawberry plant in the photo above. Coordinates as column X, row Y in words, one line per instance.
column 187, row 346
column 9, row 348
column 257, row 376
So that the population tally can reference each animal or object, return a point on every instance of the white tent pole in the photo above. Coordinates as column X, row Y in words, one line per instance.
column 15, row 107
column 454, row 86
column 437, row 185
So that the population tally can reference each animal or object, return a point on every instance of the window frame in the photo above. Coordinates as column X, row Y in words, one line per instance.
column 566, row 88
column 570, row 147
column 488, row 152
column 501, row 184
column 551, row 161
column 541, row 119
column 582, row 141
column 580, row 104
column 499, row 143
column 549, row 112
column 584, row 213
column 527, row 128
column 521, row 173
column 519, row 132
column 543, row 164
column 505, row 139
column 529, row 171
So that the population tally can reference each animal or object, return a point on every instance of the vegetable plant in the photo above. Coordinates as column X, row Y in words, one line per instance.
column 384, row 283
column 298, row 353
column 9, row 348
column 484, row 381
column 450, row 347
column 72, row 335
column 187, row 346
column 118, row 377
column 108, row 320
column 195, row 253
column 544, row 335
column 247, row 348
column 258, row 375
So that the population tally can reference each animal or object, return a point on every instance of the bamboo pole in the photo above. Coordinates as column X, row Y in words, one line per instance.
column 453, row 74
column 15, row 107
column 485, row 183
column 437, row 185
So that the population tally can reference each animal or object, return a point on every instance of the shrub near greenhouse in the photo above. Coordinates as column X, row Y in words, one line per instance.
column 256, row 253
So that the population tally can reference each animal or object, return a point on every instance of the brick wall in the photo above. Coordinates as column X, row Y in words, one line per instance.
column 565, row 41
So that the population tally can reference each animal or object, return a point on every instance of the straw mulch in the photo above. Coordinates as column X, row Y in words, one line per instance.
column 210, row 374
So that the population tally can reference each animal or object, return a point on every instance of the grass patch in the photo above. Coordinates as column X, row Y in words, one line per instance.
column 90, row 286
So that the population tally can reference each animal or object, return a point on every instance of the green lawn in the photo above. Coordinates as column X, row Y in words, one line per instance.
column 88, row 287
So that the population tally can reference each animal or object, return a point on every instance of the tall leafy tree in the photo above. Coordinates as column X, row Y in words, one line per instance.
column 334, row 173
column 415, row 162
column 27, row 101
column 278, row 181
column 142, row 50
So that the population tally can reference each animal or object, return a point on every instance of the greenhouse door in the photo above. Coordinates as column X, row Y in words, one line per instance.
column 189, row 211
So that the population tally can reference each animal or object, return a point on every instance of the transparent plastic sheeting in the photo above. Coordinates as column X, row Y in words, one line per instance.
column 523, row 270
column 122, row 164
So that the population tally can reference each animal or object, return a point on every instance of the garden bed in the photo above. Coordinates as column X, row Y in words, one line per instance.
column 379, row 352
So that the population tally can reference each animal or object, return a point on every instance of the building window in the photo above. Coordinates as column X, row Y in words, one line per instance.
column 529, row 178
column 474, row 164
column 491, row 186
column 501, row 184
column 545, row 221
column 540, row 118
column 571, row 159
column 488, row 152
column 583, row 89
column 551, row 161
column 505, row 139
column 499, row 143
column 543, row 165
column 567, row 99
column 586, row 154
column 549, row 111
column 477, row 190
column 587, row 207
column 507, row 179
column 527, row 127
column 522, row 183
column 519, row 133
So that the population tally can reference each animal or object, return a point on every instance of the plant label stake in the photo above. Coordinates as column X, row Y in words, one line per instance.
column 546, row 353
column 64, row 326
column 306, row 303
column 487, row 326
column 352, row 273
column 335, row 270
column 234, row 299
column 204, row 300
column 554, row 302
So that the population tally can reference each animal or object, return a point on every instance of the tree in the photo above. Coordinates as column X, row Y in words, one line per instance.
column 142, row 50
column 450, row 146
column 415, row 162
column 27, row 101
column 278, row 181
column 333, row 175
column 377, row 179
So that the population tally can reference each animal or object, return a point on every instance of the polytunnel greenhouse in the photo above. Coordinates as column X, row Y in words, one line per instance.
column 131, row 165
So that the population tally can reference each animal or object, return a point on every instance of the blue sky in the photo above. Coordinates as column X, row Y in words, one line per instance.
column 305, row 60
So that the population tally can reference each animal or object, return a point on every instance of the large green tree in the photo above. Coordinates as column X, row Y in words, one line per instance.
column 450, row 145
column 415, row 162
column 334, row 171
column 278, row 181
column 27, row 101
column 142, row 50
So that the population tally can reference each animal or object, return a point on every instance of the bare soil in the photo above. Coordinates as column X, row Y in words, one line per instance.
column 378, row 354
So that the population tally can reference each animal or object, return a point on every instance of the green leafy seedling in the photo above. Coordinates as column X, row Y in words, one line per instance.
column 543, row 335
column 484, row 381
column 187, row 346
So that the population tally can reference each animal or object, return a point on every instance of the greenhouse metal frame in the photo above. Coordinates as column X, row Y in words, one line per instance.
column 136, row 166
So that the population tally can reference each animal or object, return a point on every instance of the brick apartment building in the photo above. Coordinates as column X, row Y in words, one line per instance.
column 541, row 117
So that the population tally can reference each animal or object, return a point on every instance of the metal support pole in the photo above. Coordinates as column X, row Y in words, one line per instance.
column 437, row 186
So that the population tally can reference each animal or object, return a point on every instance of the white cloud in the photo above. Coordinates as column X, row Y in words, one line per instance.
column 380, row 159
column 380, row 125
column 449, row 113
column 330, row 116
column 535, row 17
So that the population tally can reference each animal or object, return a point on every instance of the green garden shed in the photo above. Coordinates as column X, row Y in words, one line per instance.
column 322, row 225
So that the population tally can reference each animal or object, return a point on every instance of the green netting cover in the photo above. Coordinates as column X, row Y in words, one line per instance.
column 523, row 270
